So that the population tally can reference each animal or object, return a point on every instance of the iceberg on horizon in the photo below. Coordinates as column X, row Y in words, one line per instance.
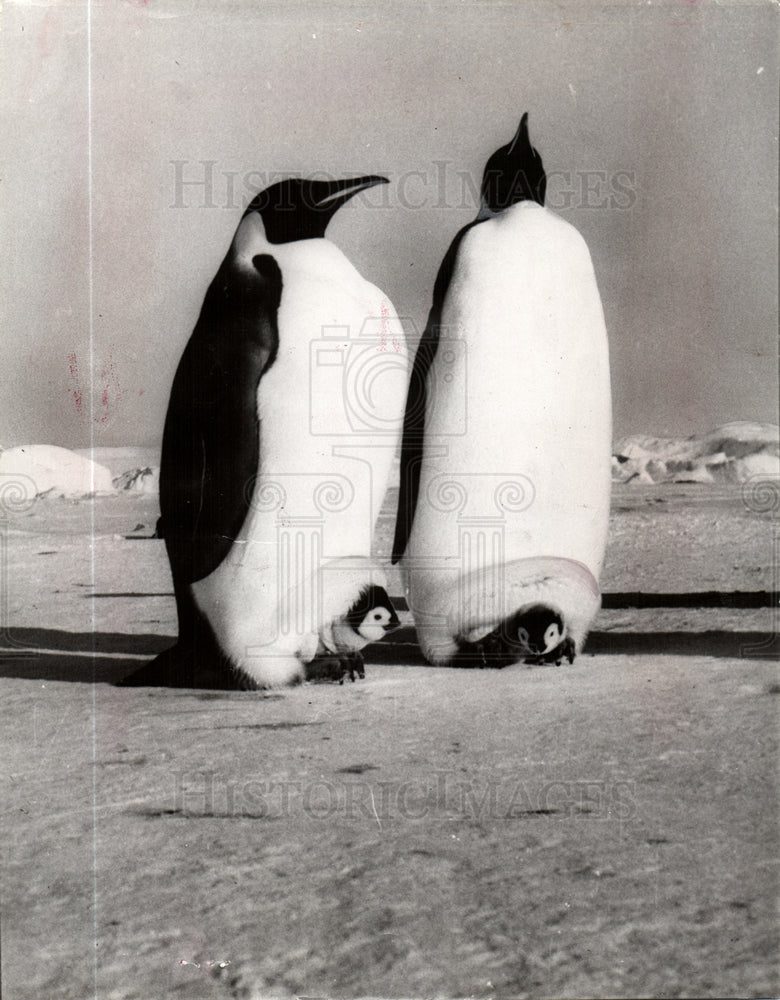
column 732, row 453
column 35, row 470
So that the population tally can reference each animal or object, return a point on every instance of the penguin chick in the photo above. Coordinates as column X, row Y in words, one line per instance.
column 534, row 634
column 370, row 618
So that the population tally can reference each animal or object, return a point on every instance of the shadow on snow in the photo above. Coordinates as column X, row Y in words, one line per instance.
column 86, row 657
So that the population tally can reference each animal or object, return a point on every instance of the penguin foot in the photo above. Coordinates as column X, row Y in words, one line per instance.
column 482, row 655
column 565, row 649
column 327, row 668
column 182, row 667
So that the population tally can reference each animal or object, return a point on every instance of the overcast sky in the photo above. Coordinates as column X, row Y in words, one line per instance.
column 133, row 134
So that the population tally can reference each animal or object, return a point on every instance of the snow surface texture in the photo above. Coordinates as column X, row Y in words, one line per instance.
column 601, row 829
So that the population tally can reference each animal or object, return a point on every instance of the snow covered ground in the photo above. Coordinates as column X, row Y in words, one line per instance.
column 605, row 829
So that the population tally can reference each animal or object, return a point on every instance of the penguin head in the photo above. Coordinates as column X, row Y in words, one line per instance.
column 513, row 173
column 372, row 615
column 536, row 630
column 299, row 209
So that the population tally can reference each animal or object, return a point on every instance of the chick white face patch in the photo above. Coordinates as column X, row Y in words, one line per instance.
column 372, row 615
column 376, row 623
column 552, row 637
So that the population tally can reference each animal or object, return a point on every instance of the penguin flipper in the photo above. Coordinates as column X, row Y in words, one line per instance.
column 412, row 449
column 211, row 442
column 413, row 433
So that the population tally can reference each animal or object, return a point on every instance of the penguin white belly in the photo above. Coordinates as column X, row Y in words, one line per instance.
column 304, row 550
column 513, row 501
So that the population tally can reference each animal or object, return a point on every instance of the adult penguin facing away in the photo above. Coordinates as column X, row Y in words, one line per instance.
column 267, row 516
column 505, row 465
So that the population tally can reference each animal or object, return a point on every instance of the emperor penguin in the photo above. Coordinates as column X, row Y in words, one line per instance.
column 272, row 475
column 505, row 464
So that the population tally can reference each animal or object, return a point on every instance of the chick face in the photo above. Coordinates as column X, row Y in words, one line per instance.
column 535, row 632
column 369, row 619
column 377, row 623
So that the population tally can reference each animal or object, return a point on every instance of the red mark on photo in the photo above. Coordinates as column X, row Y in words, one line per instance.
column 111, row 391
column 383, row 330
column 50, row 34
column 106, row 391
column 74, row 377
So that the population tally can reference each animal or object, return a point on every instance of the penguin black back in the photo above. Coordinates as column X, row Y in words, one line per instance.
column 205, row 489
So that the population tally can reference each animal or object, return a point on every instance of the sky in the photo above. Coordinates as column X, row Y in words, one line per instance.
column 135, row 132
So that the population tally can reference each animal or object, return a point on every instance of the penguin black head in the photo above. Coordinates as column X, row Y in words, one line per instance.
column 513, row 173
column 534, row 630
column 535, row 633
column 298, row 209
column 372, row 615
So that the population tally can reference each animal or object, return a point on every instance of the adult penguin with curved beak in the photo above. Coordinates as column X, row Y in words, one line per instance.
column 267, row 527
column 503, row 512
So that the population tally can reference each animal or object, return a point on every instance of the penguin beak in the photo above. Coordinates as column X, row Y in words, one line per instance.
column 521, row 133
column 298, row 209
column 329, row 196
